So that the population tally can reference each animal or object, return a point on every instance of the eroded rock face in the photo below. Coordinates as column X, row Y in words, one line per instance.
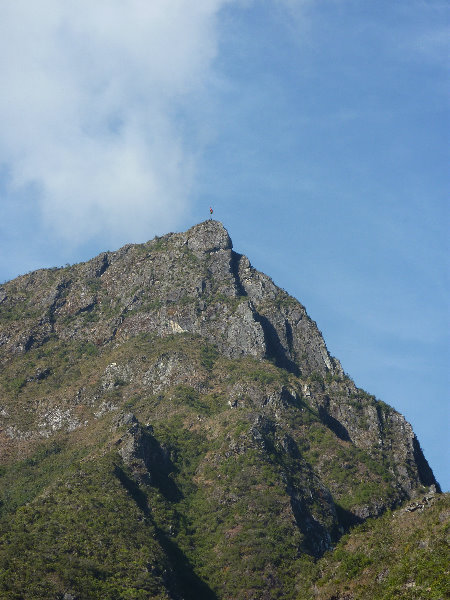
column 189, row 282
column 210, row 236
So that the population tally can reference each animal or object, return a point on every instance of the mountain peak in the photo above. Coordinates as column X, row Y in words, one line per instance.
column 208, row 236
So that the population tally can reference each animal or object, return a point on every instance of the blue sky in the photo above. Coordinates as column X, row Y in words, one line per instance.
column 317, row 130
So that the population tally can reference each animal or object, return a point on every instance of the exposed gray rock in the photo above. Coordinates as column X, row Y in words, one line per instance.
column 209, row 236
column 188, row 282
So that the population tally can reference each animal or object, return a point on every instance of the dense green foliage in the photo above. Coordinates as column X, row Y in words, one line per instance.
column 85, row 533
column 404, row 554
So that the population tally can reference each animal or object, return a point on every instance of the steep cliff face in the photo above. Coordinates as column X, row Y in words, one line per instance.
column 189, row 282
column 209, row 396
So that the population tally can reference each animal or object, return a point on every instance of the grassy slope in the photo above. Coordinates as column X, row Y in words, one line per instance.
column 83, row 533
column 402, row 555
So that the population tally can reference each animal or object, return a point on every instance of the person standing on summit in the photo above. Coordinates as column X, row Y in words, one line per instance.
column 210, row 210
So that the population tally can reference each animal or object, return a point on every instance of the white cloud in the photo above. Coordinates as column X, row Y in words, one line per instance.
column 92, row 97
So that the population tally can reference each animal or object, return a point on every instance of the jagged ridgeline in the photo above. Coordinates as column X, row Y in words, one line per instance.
column 173, row 426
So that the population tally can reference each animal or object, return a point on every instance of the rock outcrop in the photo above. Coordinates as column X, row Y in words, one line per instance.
column 191, row 282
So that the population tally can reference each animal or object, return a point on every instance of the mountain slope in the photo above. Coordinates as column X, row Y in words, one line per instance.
column 177, row 423
column 403, row 554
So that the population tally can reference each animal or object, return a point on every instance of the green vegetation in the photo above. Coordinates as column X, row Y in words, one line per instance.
column 400, row 555
column 219, row 298
column 208, row 356
column 22, row 481
column 186, row 396
column 158, row 244
column 86, row 534
column 283, row 300
column 250, row 370
column 18, row 308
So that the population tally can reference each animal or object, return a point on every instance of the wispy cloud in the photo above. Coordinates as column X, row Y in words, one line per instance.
column 93, row 94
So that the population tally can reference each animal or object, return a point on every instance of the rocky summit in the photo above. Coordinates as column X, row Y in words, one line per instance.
column 173, row 426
